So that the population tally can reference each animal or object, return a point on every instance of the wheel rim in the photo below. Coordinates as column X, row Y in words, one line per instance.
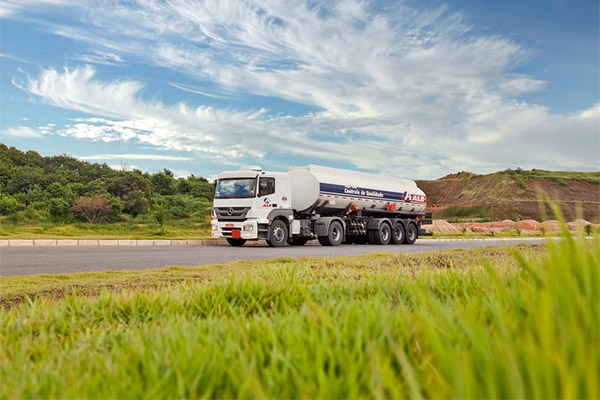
column 335, row 233
column 411, row 233
column 278, row 233
column 385, row 233
column 398, row 233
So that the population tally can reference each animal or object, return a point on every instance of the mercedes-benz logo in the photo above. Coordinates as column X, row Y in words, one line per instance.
column 230, row 211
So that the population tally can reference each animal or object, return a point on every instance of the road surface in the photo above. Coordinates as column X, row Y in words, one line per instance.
column 51, row 260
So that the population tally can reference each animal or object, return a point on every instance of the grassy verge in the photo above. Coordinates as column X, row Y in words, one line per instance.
column 120, row 230
column 130, row 230
column 519, row 322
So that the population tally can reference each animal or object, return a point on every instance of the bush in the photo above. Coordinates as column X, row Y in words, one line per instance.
column 93, row 208
column 60, row 209
column 116, row 208
column 9, row 205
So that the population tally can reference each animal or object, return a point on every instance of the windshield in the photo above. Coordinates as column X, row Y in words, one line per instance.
column 236, row 187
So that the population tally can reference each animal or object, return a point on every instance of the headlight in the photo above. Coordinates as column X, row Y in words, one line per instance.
column 214, row 227
column 248, row 227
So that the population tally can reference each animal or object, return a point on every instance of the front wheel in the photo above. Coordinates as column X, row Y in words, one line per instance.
column 236, row 242
column 411, row 234
column 278, row 234
column 334, row 236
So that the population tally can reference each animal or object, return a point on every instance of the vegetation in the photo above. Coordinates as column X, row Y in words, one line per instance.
column 503, row 323
column 36, row 190
column 479, row 212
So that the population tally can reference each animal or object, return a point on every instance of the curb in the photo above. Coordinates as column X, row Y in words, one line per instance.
column 194, row 242
column 115, row 242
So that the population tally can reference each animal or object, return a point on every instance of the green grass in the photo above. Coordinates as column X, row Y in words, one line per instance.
column 501, row 323
column 558, row 177
column 184, row 229
column 480, row 212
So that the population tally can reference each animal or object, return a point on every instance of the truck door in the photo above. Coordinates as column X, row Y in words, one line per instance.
column 267, row 192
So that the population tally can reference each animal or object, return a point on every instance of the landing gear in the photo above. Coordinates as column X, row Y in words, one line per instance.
column 278, row 234
column 236, row 242
column 334, row 236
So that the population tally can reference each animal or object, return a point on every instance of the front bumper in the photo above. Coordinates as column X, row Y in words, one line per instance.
column 225, row 229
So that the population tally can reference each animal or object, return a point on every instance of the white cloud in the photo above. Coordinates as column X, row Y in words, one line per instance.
column 154, row 157
column 410, row 90
column 23, row 132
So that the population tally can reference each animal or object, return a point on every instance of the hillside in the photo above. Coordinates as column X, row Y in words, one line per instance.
column 513, row 194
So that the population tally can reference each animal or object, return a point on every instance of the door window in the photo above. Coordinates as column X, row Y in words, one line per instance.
column 266, row 186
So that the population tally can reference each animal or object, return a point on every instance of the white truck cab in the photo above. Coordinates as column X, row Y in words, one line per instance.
column 246, row 199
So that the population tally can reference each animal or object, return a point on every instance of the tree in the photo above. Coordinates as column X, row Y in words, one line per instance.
column 163, row 182
column 132, row 188
column 93, row 208
column 160, row 214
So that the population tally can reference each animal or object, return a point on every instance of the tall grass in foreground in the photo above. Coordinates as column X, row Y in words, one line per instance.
column 300, row 330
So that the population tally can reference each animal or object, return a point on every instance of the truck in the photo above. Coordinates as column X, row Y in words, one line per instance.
column 332, row 205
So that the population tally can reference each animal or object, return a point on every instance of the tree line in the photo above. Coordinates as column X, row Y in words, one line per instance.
column 65, row 189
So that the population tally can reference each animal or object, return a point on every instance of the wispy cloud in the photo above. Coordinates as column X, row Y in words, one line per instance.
column 15, row 58
column 101, row 57
column 409, row 89
column 189, row 89
column 25, row 132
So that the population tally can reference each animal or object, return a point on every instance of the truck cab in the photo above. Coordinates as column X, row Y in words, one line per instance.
column 247, row 202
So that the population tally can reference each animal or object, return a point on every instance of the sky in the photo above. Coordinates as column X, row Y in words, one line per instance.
column 406, row 88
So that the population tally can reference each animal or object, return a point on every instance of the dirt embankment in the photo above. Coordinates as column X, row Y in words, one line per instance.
column 507, row 225
column 514, row 195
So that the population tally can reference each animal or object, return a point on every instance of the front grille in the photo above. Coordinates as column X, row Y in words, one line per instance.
column 231, row 213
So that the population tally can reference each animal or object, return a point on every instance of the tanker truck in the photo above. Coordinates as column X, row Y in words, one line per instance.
column 331, row 205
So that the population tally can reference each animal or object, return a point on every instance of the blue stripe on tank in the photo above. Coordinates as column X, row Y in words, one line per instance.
column 351, row 191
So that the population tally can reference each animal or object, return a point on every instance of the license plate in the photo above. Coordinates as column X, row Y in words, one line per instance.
column 228, row 225
column 235, row 233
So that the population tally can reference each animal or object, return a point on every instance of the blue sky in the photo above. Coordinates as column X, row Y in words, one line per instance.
column 417, row 89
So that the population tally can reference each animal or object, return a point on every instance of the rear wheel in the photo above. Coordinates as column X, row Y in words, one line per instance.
column 382, row 235
column 398, row 234
column 278, row 234
column 297, row 241
column 236, row 242
column 411, row 234
column 334, row 236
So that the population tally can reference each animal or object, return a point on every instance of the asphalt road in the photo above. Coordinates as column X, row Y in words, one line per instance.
column 51, row 260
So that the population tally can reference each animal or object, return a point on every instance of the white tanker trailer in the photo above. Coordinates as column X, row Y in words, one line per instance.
column 332, row 205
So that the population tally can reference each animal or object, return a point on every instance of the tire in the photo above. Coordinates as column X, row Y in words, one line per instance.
column 335, row 235
column 384, row 234
column 411, row 234
column 398, row 234
column 372, row 237
column 236, row 242
column 278, row 234
column 297, row 241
